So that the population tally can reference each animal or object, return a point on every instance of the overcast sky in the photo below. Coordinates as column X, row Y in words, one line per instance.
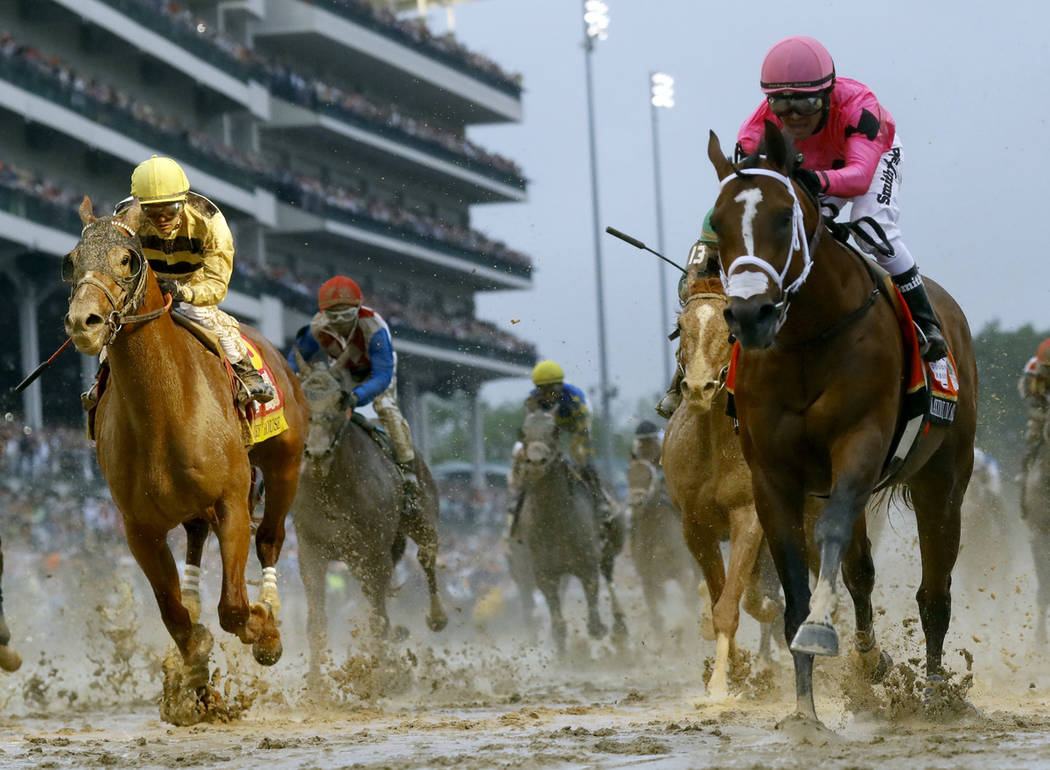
column 966, row 83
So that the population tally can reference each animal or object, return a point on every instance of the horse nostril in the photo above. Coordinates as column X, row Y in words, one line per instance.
column 728, row 315
column 685, row 387
column 93, row 319
column 766, row 312
column 709, row 387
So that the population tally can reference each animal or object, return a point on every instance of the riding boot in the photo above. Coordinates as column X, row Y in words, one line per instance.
column 933, row 346
column 672, row 398
column 258, row 388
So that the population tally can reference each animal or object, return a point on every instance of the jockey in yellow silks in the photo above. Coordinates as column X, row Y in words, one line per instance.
column 188, row 244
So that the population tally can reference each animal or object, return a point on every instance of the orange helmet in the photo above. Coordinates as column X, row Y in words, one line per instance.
column 1043, row 354
column 339, row 291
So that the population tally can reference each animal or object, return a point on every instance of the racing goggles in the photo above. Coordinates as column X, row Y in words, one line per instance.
column 346, row 314
column 803, row 105
column 162, row 212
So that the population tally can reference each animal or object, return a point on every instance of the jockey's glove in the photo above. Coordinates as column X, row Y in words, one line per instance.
column 810, row 180
column 179, row 292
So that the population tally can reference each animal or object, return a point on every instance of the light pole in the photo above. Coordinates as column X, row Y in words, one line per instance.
column 595, row 24
column 661, row 95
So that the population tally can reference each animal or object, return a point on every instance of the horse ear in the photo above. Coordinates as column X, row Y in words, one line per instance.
column 86, row 211
column 776, row 147
column 132, row 215
column 721, row 163
column 304, row 367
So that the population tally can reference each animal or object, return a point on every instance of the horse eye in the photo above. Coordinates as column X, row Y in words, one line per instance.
column 126, row 260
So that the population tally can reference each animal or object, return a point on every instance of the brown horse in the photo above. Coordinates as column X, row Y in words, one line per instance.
column 818, row 395
column 708, row 479
column 170, row 442
column 351, row 508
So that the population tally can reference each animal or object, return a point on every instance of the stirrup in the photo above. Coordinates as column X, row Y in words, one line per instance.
column 930, row 348
column 89, row 398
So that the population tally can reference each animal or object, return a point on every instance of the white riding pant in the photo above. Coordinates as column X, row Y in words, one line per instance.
column 880, row 203
column 225, row 326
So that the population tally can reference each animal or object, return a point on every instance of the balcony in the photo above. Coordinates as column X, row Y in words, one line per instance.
column 465, row 170
column 333, row 35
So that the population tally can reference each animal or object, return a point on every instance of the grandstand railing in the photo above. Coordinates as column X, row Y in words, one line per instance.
column 282, row 89
column 364, row 16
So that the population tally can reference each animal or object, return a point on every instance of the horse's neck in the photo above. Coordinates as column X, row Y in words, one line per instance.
column 150, row 361
column 837, row 285
column 556, row 482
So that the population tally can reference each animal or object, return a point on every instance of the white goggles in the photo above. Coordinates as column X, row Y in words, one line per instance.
column 342, row 315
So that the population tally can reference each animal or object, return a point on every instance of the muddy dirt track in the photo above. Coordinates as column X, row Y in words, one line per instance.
column 482, row 694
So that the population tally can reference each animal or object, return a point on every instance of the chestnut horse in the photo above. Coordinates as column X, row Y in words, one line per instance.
column 818, row 394
column 709, row 481
column 170, row 443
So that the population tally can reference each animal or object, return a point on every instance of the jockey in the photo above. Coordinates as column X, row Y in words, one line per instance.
column 648, row 443
column 357, row 341
column 569, row 406
column 1034, row 387
column 850, row 152
column 704, row 253
column 190, row 248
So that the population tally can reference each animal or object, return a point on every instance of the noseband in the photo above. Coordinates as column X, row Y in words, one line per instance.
column 743, row 285
column 122, row 304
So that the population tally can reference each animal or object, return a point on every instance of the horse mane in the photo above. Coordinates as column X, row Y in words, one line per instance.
column 705, row 285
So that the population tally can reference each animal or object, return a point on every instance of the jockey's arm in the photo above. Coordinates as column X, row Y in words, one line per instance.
column 580, row 448
column 853, row 179
column 212, row 281
column 381, row 356
column 308, row 348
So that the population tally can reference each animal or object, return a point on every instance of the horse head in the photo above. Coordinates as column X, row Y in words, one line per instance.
column 109, row 274
column 541, row 443
column 704, row 348
column 763, row 220
column 324, row 396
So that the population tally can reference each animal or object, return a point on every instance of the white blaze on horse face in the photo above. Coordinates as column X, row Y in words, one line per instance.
column 750, row 198
column 700, row 370
column 745, row 284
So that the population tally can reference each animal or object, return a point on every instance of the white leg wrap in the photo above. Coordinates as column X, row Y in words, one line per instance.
column 270, row 578
column 268, row 592
column 191, row 578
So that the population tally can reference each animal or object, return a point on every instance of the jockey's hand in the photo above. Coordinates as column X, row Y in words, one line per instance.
column 810, row 180
column 179, row 292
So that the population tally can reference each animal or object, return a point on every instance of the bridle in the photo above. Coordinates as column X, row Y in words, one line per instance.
column 128, row 297
column 744, row 285
column 704, row 295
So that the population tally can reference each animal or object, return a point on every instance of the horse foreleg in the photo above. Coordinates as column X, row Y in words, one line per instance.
column 858, row 573
column 550, row 587
column 591, row 579
column 745, row 539
column 150, row 549
column 252, row 624
column 424, row 534
column 780, row 513
column 312, row 569
column 196, row 536
column 853, row 478
column 10, row 660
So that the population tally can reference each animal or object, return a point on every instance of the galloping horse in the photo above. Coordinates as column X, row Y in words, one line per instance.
column 351, row 508
column 655, row 534
column 818, row 394
column 708, row 479
column 559, row 525
column 170, row 442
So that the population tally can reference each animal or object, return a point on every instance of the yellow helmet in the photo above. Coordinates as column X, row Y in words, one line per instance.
column 159, row 180
column 547, row 373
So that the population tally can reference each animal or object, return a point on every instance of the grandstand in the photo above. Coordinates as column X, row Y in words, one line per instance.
column 330, row 132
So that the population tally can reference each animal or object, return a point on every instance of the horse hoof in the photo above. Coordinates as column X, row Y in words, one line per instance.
column 267, row 654
column 882, row 667
column 399, row 633
column 816, row 639
column 10, row 660
column 619, row 627
column 437, row 622
column 597, row 630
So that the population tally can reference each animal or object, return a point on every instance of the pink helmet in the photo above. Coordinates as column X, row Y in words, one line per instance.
column 797, row 64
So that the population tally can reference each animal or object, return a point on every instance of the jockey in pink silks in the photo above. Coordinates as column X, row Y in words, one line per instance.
column 851, row 152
